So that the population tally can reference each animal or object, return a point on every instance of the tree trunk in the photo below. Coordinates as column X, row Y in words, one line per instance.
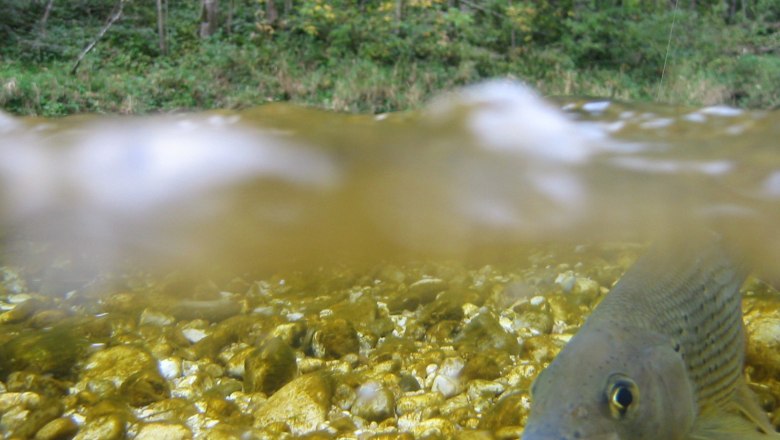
column 208, row 18
column 161, row 27
column 229, row 23
column 271, row 14
column 111, row 20
column 45, row 17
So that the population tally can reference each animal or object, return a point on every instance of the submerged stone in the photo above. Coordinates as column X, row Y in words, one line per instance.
column 485, row 332
column 301, row 405
column 58, row 429
column 270, row 367
column 335, row 338
column 374, row 402
column 51, row 351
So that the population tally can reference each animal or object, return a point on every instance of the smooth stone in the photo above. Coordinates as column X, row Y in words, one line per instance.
column 53, row 351
column 485, row 332
column 270, row 367
column 335, row 338
column 510, row 410
column 163, row 431
column 144, row 387
column 107, row 427
column 763, row 340
column 117, row 364
column 302, row 404
column 374, row 402
column 58, row 429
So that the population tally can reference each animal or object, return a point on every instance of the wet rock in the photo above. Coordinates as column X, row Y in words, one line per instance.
column 292, row 333
column 485, row 332
column 374, row 402
column 144, row 387
column 421, row 406
column 270, row 367
column 131, row 370
column 444, row 308
column 58, row 429
column 168, row 411
column 12, row 280
column 441, row 333
column 302, row 404
column 20, row 381
column 407, row 383
column 448, row 380
column 434, row 428
column 47, row 318
column 335, row 338
column 21, row 311
column 533, row 322
column 24, row 421
column 51, row 351
column 543, row 348
column 426, row 289
column 488, row 364
column 116, row 364
column 510, row 410
column 213, row 310
column 153, row 317
column 763, row 331
column 226, row 332
column 107, row 427
column 163, row 431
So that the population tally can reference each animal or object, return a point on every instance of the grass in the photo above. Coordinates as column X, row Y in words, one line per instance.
column 228, row 76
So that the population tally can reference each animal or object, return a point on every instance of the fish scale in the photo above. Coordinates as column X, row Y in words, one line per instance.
column 673, row 323
column 711, row 338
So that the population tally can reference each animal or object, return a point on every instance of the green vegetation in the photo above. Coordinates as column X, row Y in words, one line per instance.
column 379, row 55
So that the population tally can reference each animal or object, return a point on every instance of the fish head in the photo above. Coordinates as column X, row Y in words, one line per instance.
column 613, row 384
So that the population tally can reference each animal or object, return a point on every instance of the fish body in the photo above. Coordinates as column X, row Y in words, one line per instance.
column 661, row 357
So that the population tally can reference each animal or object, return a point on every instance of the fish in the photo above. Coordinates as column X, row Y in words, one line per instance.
column 660, row 357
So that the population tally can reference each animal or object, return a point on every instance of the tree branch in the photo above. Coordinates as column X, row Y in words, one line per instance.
column 114, row 17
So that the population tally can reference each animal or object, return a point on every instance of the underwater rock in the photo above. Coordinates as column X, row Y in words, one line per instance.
column 510, row 410
column 21, row 381
column 335, row 338
column 302, row 405
column 485, row 332
column 107, row 427
column 21, row 311
column 270, row 367
column 52, row 351
column 144, row 387
column 444, row 308
column 117, row 364
column 374, row 402
column 58, row 429
column 163, row 431
column 763, row 338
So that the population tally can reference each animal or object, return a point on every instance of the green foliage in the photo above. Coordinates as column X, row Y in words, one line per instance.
column 383, row 55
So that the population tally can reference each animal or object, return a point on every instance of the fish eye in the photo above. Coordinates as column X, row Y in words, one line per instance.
column 622, row 395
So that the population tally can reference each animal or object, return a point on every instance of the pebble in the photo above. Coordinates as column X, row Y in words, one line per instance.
column 367, row 356
column 335, row 338
column 763, row 343
column 58, row 429
column 163, row 431
column 302, row 405
column 269, row 367
column 108, row 427
column 374, row 402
